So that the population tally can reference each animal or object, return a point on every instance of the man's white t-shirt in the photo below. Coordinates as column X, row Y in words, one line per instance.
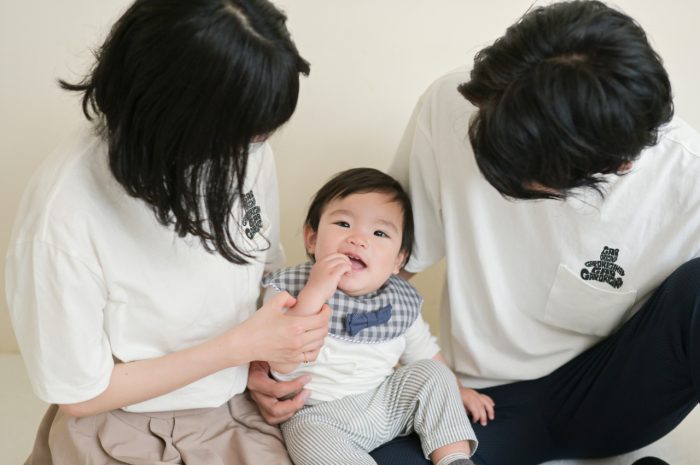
column 532, row 284
column 93, row 277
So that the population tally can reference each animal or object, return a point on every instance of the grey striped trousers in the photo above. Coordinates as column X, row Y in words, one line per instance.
column 421, row 397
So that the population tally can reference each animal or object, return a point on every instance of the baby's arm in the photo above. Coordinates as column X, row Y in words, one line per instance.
column 322, row 284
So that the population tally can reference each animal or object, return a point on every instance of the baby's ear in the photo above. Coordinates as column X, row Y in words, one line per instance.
column 400, row 261
column 309, row 239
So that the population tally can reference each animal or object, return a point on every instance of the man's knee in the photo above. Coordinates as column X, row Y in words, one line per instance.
column 687, row 273
column 682, row 288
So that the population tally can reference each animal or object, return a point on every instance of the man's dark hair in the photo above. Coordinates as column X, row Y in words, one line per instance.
column 361, row 181
column 179, row 90
column 571, row 92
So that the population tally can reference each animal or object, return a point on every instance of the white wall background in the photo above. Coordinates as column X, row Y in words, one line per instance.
column 371, row 59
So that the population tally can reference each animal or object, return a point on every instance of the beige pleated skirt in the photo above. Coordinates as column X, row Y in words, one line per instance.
column 233, row 434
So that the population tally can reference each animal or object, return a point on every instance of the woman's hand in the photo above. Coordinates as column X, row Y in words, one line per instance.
column 268, row 393
column 275, row 335
column 479, row 406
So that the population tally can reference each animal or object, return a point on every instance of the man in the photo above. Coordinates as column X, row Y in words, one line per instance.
column 572, row 109
column 563, row 195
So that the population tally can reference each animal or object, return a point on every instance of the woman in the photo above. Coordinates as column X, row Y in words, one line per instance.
column 134, row 267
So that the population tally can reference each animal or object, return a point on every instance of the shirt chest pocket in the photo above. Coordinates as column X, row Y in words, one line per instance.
column 578, row 306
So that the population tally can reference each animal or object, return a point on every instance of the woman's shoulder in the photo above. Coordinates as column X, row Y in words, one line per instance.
column 62, row 189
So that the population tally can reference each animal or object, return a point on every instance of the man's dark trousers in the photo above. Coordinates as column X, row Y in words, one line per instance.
column 622, row 394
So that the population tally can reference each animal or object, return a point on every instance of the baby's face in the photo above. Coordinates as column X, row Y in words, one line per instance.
column 368, row 228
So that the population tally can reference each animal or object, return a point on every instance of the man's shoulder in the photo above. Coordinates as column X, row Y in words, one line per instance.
column 445, row 86
column 679, row 135
column 442, row 108
column 672, row 165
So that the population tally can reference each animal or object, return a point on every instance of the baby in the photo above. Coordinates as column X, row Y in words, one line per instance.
column 359, row 233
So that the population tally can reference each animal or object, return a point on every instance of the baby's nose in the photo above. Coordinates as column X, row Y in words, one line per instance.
column 358, row 240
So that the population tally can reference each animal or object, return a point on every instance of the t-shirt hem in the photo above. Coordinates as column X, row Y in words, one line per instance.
column 69, row 394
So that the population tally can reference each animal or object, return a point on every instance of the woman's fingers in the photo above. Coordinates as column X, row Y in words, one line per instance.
column 276, row 411
column 313, row 340
column 267, row 392
column 276, row 389
column 279, row 337
column 311, row 323
column 281, row 301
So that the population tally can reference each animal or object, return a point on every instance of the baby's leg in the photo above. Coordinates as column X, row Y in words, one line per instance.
column 313, row 440
column 456, row 453
column 429, row 401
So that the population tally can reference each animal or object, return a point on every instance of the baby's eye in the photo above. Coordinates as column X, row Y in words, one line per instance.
column 342, row 224
column 380, row 234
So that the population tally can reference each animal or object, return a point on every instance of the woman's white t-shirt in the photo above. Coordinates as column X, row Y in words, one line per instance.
column 93, row 277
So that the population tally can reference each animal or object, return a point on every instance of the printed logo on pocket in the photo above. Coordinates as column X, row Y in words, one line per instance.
column 604, row 270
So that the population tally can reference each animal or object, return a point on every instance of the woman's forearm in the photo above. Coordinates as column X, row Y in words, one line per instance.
column 269, row 334
column 138, row 381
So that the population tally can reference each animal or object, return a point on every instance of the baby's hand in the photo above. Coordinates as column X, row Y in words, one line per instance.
column 325, row 276
column 479, row 406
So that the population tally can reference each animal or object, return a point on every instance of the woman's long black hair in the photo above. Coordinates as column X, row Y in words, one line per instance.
column 179, row 90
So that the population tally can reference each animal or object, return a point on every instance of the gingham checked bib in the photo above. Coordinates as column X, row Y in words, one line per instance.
column 403, row 300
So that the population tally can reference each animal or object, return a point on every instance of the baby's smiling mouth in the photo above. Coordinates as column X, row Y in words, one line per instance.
column 356, row 263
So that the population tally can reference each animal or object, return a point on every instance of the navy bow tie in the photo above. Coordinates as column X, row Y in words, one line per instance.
column 356, row 322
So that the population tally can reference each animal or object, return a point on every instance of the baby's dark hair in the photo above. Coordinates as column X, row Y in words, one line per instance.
column 362, row 181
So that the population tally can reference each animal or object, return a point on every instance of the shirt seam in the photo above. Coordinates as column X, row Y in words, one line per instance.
column 64, row 173
column 59, row 249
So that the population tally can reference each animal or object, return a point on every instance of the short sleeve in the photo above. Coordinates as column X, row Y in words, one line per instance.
column 415, row 167
column 57, row 306
column 420, row 344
